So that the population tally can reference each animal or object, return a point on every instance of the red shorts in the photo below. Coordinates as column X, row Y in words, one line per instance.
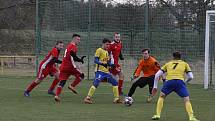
column 65, row 72
column 116, row 70
column 44, row 72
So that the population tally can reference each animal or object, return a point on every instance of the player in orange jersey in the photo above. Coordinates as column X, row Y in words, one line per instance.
column 149, row 66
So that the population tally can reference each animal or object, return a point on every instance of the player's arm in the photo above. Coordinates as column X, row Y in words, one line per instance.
column 189, row 73
column 76, row 58
column 54, row 54
column 138, row 69
column 189, row 76
column 56, row 60
column 157, row 77
column 121, row 56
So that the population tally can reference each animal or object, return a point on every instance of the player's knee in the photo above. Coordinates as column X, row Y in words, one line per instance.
column 62, row 83
column 162, row 95
column 95, row 84
column 38, row 81
column 186, row 99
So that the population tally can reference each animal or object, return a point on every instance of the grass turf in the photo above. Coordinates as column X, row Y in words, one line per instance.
column 41, row 106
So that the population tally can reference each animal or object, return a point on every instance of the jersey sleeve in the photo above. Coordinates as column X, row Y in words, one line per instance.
column 54, row 52
column 164, row 68
column 187, row 68
column 97, row 53
column 139, row 68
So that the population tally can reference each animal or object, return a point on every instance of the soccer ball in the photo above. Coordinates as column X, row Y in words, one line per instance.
column 128, row 101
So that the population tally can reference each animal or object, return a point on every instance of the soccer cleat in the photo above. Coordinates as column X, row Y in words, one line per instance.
column 26, row 94
column 57, row 98
column 193, row 119
column 117, row 101
column 156, row 117
column 88, row 100
column 51, row 92
column 72, row 89
column 149, row 99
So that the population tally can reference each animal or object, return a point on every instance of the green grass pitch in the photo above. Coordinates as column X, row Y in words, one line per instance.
column 41, row 106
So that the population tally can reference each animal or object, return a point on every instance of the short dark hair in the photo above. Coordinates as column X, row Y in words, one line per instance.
column 145, row 49
column 59, row 42
column 116, row 33
column 75, row 35
column 176, row 55
column 105, row 40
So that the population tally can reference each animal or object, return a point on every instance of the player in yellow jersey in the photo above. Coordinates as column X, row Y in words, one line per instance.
column 175, row 70
column 103, row 63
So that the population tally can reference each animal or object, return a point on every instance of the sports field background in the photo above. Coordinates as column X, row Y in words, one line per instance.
column 42, row 107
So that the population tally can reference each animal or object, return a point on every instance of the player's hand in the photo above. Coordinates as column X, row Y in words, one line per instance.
column 112, row 65
column 133, row 77
column 154, row 91
column 82, row 75
column 82, row 59
column 105, row 65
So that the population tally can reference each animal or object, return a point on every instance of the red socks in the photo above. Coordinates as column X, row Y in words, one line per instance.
column 120, row 84
column 54, row 83
column 31, row 86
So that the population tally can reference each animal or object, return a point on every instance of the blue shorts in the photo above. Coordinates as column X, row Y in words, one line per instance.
column 100, row 76
column 177, row 86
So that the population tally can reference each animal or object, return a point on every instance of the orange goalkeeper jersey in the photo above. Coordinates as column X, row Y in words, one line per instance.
column 149, row 67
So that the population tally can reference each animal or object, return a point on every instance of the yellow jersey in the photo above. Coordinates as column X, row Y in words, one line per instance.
column 176, row 69
column 103, row 58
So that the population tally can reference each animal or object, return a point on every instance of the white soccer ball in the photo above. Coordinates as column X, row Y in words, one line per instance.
column 128, row 101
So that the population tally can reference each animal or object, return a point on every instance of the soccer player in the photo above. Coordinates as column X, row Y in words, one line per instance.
column 103, row 62
column 116, row 50
column 68, row 67
column 175, row 70
column 149, row 66
column 47, row 67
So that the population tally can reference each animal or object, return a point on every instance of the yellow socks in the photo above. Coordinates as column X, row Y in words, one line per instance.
column 91, row 91
column 159, row 106
column 115, row 92
column 189, row 109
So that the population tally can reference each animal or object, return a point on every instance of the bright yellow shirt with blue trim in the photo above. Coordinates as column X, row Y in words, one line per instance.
column 103, row 58
column 176, row 69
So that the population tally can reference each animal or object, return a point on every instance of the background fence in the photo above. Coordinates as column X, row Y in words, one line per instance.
column 161, row 25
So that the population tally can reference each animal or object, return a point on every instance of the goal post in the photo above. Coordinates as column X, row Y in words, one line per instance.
column 208, row 73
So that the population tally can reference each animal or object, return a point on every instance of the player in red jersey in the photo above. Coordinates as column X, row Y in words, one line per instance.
column 116, row 53
column 47, row 67
column 68, row 67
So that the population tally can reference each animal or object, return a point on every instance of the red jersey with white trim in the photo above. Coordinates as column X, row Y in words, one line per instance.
column 68, row 61
column 48, row 59
column 115, row 48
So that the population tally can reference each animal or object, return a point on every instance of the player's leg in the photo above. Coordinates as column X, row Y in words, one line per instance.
column 150, row 82
column 114, row 83
column 64, row 75
column 159, row 106
column 98, row 78
column 32, row 86
column 42, row 73
column 55, row 73
column 140, row 82
column 79, row 76
column 120, row 82
column 183, row 92
column 167, row 88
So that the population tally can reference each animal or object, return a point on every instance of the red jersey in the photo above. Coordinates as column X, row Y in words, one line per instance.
column 115, row 49
column 68, row 61
column 48, row 59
